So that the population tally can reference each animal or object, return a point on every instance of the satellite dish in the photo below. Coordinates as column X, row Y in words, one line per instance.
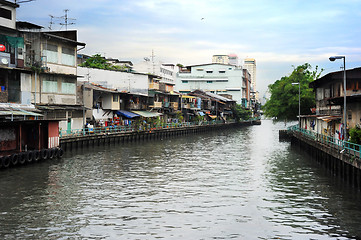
column 4, row 61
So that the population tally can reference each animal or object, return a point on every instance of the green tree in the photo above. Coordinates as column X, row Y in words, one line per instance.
column 97, row 61
column 355, row 135
column 283, row 103
column 241, row 113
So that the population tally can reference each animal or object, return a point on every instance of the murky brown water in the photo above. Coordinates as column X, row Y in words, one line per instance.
column 235, row 184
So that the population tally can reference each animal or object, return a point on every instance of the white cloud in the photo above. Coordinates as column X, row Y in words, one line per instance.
column 283, row 32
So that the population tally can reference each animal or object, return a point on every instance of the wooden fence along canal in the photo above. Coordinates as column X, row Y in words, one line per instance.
column 341, row 158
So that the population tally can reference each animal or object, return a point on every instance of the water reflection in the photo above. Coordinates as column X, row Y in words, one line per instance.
column 240, row 183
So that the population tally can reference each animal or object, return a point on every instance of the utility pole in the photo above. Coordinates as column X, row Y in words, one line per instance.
column 153, row 60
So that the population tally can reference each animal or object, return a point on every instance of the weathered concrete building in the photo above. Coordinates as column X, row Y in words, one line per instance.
column 329, row 91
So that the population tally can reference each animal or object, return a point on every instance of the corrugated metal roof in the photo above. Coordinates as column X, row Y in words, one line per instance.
column 18, row 113
column 147, row 114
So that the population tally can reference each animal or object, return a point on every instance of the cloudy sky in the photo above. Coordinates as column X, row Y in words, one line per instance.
column 278, row 34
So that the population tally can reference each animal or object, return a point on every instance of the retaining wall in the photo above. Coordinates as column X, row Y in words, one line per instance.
column 69, row 143
column 334, row 160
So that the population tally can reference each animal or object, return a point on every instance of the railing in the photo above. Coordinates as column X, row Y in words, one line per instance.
column 157, row 105
column 341, row 145
column 134, row 128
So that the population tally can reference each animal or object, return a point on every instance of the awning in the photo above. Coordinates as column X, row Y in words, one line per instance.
column 15, row 42
column 212, row 116
column 329, row 118
column 147, row 114
column 19, row 113
column 126, row 114
column 201, row 113
column 186, row 96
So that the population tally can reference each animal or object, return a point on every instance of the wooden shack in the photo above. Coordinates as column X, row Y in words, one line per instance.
column 28, row 141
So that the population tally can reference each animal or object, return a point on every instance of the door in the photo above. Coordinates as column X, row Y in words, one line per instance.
column 68, row 131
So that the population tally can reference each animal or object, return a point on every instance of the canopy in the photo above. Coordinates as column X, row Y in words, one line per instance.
column 186, row 96
column 212, row 116
column 19, row 113
column 126, row 114
column 147, row 114
column 15, row 42
column 329, row 118
column 201, row 113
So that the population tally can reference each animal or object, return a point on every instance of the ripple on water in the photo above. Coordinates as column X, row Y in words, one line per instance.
column 233, row 184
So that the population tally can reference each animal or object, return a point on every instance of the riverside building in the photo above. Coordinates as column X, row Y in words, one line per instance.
column 223, row 79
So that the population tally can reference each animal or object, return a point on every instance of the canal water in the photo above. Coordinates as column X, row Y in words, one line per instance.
column 240, row 183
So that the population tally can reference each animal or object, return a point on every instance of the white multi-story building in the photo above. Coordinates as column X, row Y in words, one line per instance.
column 167, row 72
column 223, row 79
column 231, row 59
column 250, row 65
column 223, row 59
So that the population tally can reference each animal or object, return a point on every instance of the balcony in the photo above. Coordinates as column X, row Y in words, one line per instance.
column 153, row 86
column 137, row 106
column 157, row 105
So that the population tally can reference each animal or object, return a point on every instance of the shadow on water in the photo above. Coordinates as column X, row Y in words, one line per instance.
column 305, row 192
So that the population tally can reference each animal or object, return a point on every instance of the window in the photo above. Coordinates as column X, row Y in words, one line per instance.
column 209, row 71
column 68, row 56
column 222, row 71
column 115, row 98
column 51, row 52
column 5, row 13
column 199, row 69
column 209, row 81
column 349, row 115
column 68, row 86
column 50, row 84
column 327, row 93
column 319, row 94
column 184, row 81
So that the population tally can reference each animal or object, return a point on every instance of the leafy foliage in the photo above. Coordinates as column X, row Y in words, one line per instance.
column 355, row 135
column 97, row 61
column 241, row 113
column 283, row 103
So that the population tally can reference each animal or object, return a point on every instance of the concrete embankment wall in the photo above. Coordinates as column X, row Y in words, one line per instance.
column 335, row 160
column 69, row 143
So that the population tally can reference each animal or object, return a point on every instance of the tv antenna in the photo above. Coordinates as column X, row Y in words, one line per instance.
column 23, row 1
column 51, row 21
column 66, row 19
